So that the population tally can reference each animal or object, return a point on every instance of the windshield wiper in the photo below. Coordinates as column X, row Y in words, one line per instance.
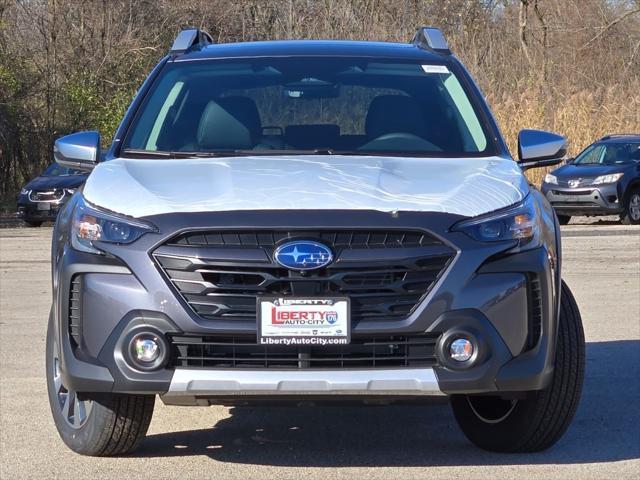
column 266, row 152
column 139, row 153
column 315, row 151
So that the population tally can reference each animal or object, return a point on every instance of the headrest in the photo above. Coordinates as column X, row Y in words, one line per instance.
column 229, row 123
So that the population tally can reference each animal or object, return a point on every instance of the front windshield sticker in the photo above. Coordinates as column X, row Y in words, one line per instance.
column 435, row 69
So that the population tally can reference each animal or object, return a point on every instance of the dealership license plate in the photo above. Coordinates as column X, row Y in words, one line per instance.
column 304, row 320
column 44, row 206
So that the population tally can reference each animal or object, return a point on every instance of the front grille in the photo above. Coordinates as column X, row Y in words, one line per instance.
column 75, row 309
column 338, row 239
column 581, row 182
column 234, row 352
column 572, row 192
column 384, row 273
column 575, row 204
column 49, row 196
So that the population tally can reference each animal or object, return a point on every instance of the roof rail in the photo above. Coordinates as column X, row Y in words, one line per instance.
column 189, row 38
column 430, row 38
column 613, row 135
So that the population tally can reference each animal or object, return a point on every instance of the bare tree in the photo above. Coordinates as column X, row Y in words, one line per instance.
column 67, row 64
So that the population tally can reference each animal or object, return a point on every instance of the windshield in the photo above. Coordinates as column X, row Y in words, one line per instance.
column 312, row 105
column 55, row 170
column 609, row 154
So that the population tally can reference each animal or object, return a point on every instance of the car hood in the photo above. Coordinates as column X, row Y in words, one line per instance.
column 42, row 183
column 143, row 187
column 570, row 171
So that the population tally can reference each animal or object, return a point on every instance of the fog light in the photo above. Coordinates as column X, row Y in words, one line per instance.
column 146, row 348
column 461, row 350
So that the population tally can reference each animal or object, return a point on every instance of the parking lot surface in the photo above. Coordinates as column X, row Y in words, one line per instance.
column 601, row 265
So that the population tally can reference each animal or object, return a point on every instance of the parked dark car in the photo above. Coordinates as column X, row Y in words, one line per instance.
column 603, row 180
column 41, row 198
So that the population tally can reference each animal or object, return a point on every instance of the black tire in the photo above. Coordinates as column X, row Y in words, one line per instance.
column 111, row 424
column 538, row 421
column 33, row 223
column 564, row 219
column 631, row 215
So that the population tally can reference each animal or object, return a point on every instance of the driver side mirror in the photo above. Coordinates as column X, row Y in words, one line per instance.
column 79, row 150
column 537, row 148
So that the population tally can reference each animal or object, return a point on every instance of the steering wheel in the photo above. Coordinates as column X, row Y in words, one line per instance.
column 400, row 142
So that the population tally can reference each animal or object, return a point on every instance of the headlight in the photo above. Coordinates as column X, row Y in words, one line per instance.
column 548, row 178
column 520, row 223
column 91, row 225
column 611, row 178
column 24, row 191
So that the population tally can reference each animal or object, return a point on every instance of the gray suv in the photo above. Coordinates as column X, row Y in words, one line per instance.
column 310, row 222
column 603, row 180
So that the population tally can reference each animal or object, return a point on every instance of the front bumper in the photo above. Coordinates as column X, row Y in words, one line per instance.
column 38, row 211
column 189, row 385
column 507, row 303
column 600, row 200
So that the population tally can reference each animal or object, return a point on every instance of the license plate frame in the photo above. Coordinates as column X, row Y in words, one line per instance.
column 294, row 328
column 44, row 206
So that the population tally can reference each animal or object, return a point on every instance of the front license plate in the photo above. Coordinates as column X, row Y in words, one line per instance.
column 304, row 320
column 44, row 206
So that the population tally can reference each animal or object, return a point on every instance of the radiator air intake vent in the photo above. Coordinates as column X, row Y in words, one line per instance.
column 385, row 273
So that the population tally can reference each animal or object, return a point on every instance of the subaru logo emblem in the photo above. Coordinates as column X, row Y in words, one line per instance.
column 303, row 255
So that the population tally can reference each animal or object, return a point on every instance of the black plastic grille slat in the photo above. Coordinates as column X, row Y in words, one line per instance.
column 575, row 204
column 339, row 239
column 572, row 193
column 237, row 352
column 75, row 309
column 387, row 287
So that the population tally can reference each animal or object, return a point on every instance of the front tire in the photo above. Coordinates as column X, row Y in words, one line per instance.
column 33, row 223
column 631, row 215
column 564, row 219
column 538, row 421
column 111, row 424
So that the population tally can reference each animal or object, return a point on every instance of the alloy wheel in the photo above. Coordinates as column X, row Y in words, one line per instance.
column 634, row 207
column 74, row 410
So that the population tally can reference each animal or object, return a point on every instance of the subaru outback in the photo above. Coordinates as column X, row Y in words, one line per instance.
column 309, row 222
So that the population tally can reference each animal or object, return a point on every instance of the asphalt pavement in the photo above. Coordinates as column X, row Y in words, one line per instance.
column 601, row 265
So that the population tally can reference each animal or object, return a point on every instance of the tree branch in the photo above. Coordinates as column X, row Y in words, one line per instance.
column 607, row 27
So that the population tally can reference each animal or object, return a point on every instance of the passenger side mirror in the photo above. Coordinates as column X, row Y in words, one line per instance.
column 537, row 148
column 79, row 150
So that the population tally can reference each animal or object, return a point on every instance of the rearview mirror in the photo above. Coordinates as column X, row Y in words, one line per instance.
column 79, row 150
column 311, row 89
column 537, row 148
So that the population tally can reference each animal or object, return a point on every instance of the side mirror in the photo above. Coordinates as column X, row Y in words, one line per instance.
column 79, row 150
column 537, row 148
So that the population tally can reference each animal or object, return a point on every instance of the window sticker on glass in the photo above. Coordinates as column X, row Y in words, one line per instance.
column 435, row 69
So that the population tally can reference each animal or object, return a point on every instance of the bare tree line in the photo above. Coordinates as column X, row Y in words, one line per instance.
column 572, row 66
